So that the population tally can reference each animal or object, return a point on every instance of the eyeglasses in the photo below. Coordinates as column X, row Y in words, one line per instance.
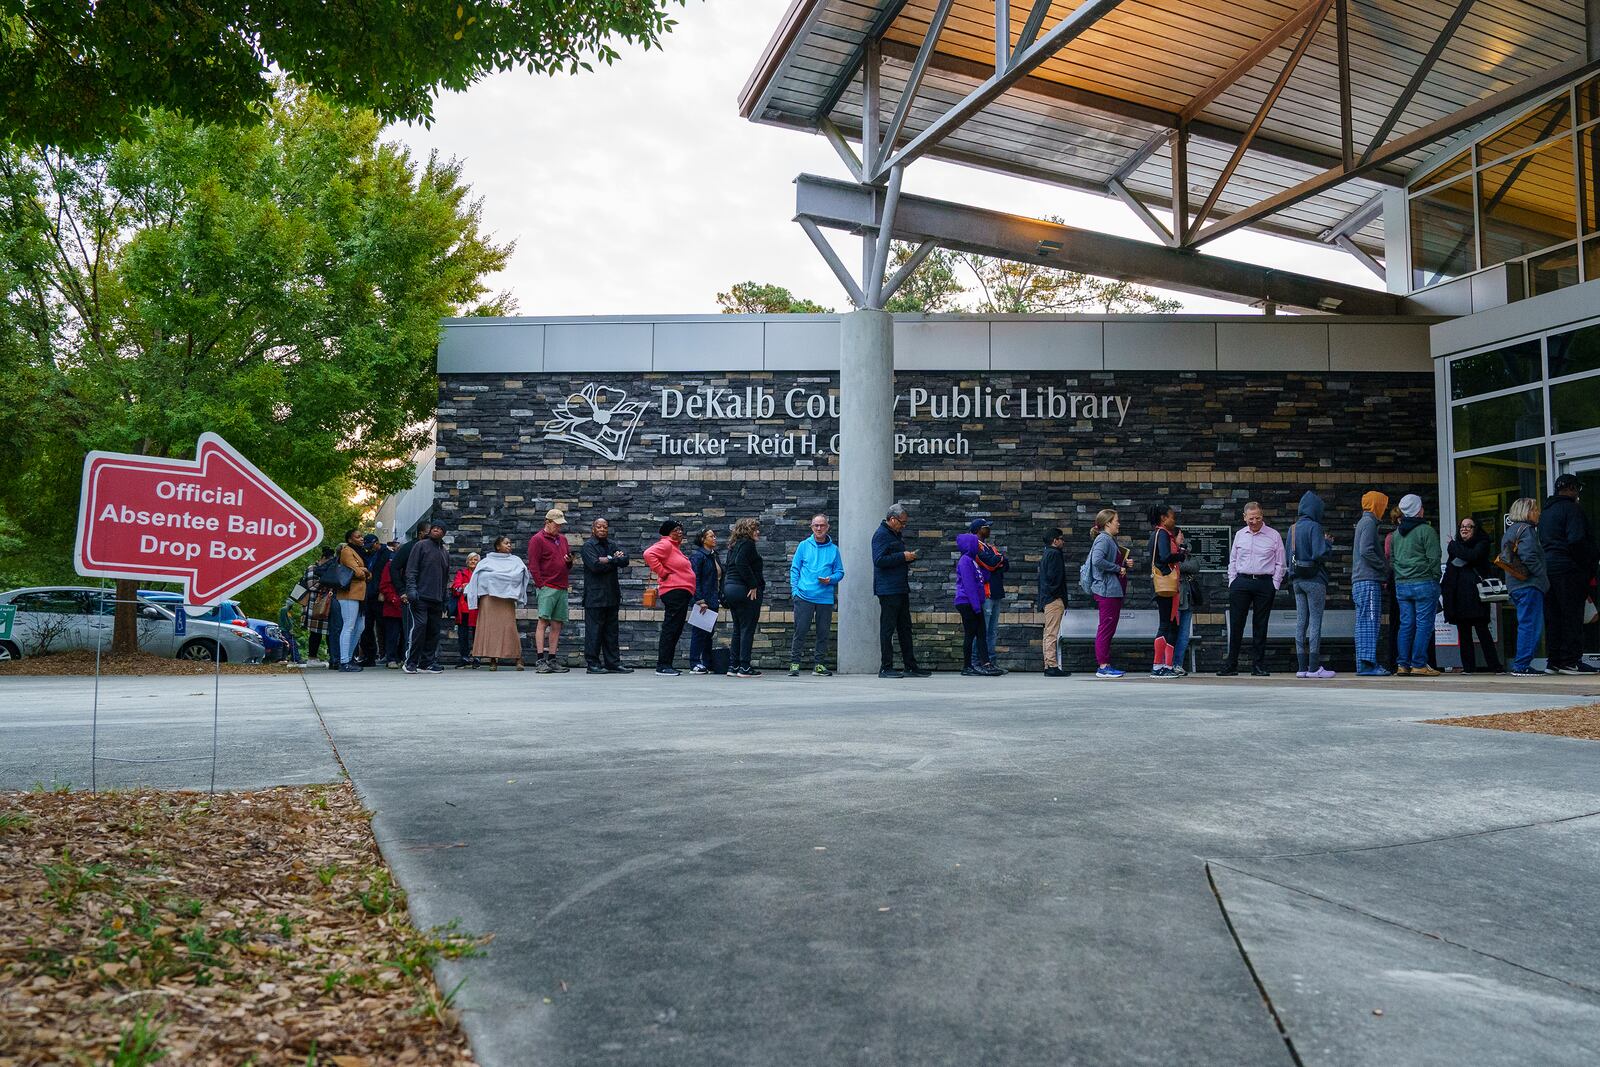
column 819, row 526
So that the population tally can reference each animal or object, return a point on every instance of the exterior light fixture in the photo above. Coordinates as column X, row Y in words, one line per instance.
column 1329, row 303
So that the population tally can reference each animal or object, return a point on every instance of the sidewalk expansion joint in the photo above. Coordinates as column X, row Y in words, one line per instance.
column 1261, row 987
column 1467, row 835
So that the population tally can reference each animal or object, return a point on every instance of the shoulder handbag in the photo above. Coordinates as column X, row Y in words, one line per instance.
column 1166, row 584
column 1512, row 565
column 335, row 575
column 1301, row 568
column 1493, row 591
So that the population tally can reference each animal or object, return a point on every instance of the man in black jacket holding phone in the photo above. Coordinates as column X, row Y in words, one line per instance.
column 1053, row 600
column 1569, row 559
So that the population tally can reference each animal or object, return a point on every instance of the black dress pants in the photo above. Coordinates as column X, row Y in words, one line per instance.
column 601, row 646
column 1251, row 594
column 1469, row 656
column 746, row 617
column 894, row 618
column 676, row 605
column 427, row 617
column 1563, row 619
column 974, row 643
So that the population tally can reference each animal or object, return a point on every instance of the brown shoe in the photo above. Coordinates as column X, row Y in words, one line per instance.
column 1425, row 672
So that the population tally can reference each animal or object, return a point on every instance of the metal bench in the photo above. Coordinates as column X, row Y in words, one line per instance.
column 1138, row 625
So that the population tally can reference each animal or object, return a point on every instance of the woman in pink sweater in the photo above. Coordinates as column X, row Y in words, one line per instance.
column 675, row 580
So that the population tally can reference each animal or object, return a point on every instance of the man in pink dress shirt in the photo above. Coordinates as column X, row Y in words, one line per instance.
column 1256, row 567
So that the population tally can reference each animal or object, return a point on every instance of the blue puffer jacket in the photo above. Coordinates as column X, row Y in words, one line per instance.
column 812, row 562
column 707, row 577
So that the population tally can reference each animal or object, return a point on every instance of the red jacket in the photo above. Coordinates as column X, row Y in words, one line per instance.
column 389, row 595
column 468, row 616
column 549, row 559
column 671, row 567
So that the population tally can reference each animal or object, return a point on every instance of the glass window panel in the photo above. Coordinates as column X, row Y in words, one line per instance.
column 1486, row 485
column 1591, row 259
column 1550, row 119
column 54, row 602
column 1589, row 101
column 1589, row 163
column 1528, row 203
column 1575, row 405
column 1453, row 169
column 1575, row 351
column 1504, row 418
column 1554, row 270
column 1442, row 235
column 1488, row 372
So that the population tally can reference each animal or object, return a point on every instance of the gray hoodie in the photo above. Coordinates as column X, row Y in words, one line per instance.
column 1526, row 538
column 1367, row 563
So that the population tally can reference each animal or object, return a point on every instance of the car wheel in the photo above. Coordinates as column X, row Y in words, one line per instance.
column 201, row 650
column 9, row 651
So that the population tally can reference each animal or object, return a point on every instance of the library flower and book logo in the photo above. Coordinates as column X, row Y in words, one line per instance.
column 598, row 418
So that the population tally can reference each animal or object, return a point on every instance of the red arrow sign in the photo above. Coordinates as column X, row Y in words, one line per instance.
column 215, row 522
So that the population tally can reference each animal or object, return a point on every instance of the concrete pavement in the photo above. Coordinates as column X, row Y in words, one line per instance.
column 1020, row 871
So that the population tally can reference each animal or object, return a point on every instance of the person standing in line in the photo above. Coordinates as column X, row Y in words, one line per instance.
column 1468, row 558
column 891, row 584
column 402, row 556
column 549, row 561
column 744, row 585
column 375, row 555
column 1416, row 586
column 389, row 600
column 497, row 587
column 1569, row 556
column 814, row 574
column 1166, row 556
column 350, row 600
column 466, row 614
column 318, row 608
column 675, row 583
column 1053, row 600
column 707, row 595
column 603, row 564
column 992, row 565
column 1368, row 569
column 1255, row 574
column 1190, row 598
column 427, row 583
column 1309, row 547
column 1527, row 580
column 971, row 592
column 1108, row 582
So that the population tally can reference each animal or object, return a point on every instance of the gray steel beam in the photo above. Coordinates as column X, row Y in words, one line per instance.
column 1145, row 151
column 829, row 256
column 907, row 269
column 1180, row 185
column 1356, row 219
column 845, row 205
column 1063, row 33
column 919, row 67
column 1361, row 256
column 1250, row 60
column 1031, row 28
column 836, row 138
column 852, row 67
column 872, row 285
column 1056, row 92
column 1282, row 81
column 1347, row 137
column 1591, row 20
column 1002, row 34
column 1142, row 213
column 1418, row 76
column 871, row 143
column 1403, row 146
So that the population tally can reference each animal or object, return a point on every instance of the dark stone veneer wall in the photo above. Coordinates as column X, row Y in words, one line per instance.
column 1206, row 442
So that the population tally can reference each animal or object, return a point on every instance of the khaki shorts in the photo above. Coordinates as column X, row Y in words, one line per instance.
column 553, row 605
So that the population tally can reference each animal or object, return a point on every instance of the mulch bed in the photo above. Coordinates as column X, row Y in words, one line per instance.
column 244, row 928
column 1582, row 721
column 82, row 662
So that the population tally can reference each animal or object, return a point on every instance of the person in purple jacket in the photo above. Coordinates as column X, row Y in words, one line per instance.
column 969, row 602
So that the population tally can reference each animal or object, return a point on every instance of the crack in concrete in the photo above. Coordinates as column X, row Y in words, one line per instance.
column 1261, row 987
column 1424, row 840
column 1396, row 923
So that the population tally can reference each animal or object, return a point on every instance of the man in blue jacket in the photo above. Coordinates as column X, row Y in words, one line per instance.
column 891, row 569
column 814, row 573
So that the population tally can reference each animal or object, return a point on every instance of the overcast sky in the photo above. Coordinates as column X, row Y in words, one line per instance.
column 637, row 189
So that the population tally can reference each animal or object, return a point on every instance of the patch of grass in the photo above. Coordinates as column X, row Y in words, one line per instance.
column 67, row 880
column 381, row 896
column 14, row 820
column 140, row 1044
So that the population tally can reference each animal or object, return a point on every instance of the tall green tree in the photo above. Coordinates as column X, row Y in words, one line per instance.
column 755, row 298
column 73, row 72
column 280, row 284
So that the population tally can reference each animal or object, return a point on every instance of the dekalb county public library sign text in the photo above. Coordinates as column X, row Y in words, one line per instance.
column 604, row 420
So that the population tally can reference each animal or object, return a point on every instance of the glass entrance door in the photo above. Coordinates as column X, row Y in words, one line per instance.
column 1581, row 456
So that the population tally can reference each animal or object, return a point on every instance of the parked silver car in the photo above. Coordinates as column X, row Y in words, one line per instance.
column 61, row 618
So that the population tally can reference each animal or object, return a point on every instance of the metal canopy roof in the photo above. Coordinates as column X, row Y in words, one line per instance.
column 1091, row 92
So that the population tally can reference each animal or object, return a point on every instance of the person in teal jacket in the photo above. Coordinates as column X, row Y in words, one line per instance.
column 814, row 573
column 1416, row 556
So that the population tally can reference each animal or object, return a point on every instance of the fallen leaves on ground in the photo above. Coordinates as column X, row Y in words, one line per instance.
column 258, row 927
column 1582, row 721
column 82, row 662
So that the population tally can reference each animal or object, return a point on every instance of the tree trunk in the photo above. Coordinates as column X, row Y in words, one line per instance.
column 125, row 632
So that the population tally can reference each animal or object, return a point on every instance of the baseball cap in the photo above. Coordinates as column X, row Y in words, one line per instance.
column 977, row 524
column 557, row 516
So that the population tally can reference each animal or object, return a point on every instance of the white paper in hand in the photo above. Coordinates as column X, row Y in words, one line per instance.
column 702, row 618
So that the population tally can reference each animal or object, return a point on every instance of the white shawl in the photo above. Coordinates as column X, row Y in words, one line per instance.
column 499, row 574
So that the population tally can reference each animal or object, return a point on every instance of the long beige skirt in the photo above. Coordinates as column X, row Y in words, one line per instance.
column 496, row 636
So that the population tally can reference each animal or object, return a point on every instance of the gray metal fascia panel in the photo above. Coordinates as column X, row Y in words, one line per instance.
column 1537, row 314
column 1384, row 347
column 599, row 347
column 803, row 345
column 920, row 345
column 713, row 346
column 1268, row 344
column 1161, row 346
column 490, row 348
column 1047, row 346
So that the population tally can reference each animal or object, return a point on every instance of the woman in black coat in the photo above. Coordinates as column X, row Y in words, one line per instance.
column 1467, row 562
